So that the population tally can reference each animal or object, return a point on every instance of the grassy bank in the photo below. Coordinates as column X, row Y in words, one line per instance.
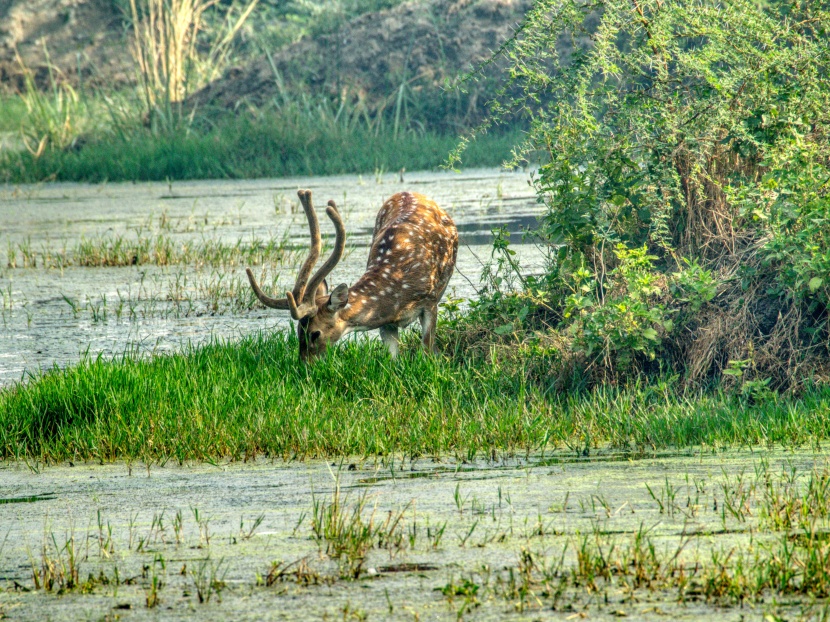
column 234, row 400
column 276, row 143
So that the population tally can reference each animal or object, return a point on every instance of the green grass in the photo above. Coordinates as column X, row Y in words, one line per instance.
column 272, row 144
column 251, row 397
column 160, row 249
column 12, row 113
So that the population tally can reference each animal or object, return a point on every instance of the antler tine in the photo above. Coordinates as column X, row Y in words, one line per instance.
column 274, row 303
column 314, row 251
column 336, row 254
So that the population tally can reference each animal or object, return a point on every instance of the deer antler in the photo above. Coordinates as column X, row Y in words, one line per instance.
column 274, row 303
column 336, row 253
column 313, row 255
column 304, row 292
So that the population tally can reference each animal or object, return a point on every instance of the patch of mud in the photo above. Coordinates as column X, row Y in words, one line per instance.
column 418, row 43
column 421, row 43
column 83, row 38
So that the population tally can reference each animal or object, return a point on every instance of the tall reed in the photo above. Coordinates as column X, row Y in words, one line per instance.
column 170, row 62
column 53, row 115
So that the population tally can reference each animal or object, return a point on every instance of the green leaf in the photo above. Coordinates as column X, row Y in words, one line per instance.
column 503, row 329
column 815, row 283
column 650, row 333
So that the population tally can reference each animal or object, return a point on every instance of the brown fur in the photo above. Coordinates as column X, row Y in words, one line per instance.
column 411, row 260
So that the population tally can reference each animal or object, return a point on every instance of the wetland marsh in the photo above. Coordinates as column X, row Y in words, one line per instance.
column 179, row 464
column 691, row 535
column 628, row 411
column 88, row 269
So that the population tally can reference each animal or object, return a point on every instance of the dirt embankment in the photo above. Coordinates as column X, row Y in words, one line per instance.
column 420, row 43
column 82, row 38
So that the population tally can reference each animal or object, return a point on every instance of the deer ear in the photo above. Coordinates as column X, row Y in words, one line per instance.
column 322, row 290
column 339, row 297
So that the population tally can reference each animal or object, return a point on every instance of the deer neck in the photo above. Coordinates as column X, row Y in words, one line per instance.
column 372, row 302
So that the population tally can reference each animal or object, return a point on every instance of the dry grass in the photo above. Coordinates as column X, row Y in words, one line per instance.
column 170, row 61
column 750, row 334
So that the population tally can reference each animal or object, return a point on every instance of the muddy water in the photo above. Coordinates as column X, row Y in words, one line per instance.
column 123, row 519
column 40, row 328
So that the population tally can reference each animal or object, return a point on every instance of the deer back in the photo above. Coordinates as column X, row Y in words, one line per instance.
column 412, row 257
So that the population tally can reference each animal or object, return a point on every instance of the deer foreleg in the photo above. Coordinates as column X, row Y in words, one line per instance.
column 429, row 317
column 389, row 334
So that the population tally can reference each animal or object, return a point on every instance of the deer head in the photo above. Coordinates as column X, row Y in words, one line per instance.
column 310, row 303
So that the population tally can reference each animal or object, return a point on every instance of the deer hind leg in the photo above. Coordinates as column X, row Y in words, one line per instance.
column 429, row 317
column 389, row 335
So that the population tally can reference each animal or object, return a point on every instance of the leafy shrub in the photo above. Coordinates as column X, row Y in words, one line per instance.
column 799, row 245
column 693, row 285
column 616, row 318
column 697, row 130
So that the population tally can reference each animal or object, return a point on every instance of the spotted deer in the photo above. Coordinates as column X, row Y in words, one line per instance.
column 411, row 260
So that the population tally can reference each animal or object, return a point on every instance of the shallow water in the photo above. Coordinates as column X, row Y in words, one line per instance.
column 40, row 329
column 490, row 513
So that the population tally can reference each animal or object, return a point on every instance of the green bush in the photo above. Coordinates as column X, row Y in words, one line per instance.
column 616, row 321
column 693, row 285
column 697, row 130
